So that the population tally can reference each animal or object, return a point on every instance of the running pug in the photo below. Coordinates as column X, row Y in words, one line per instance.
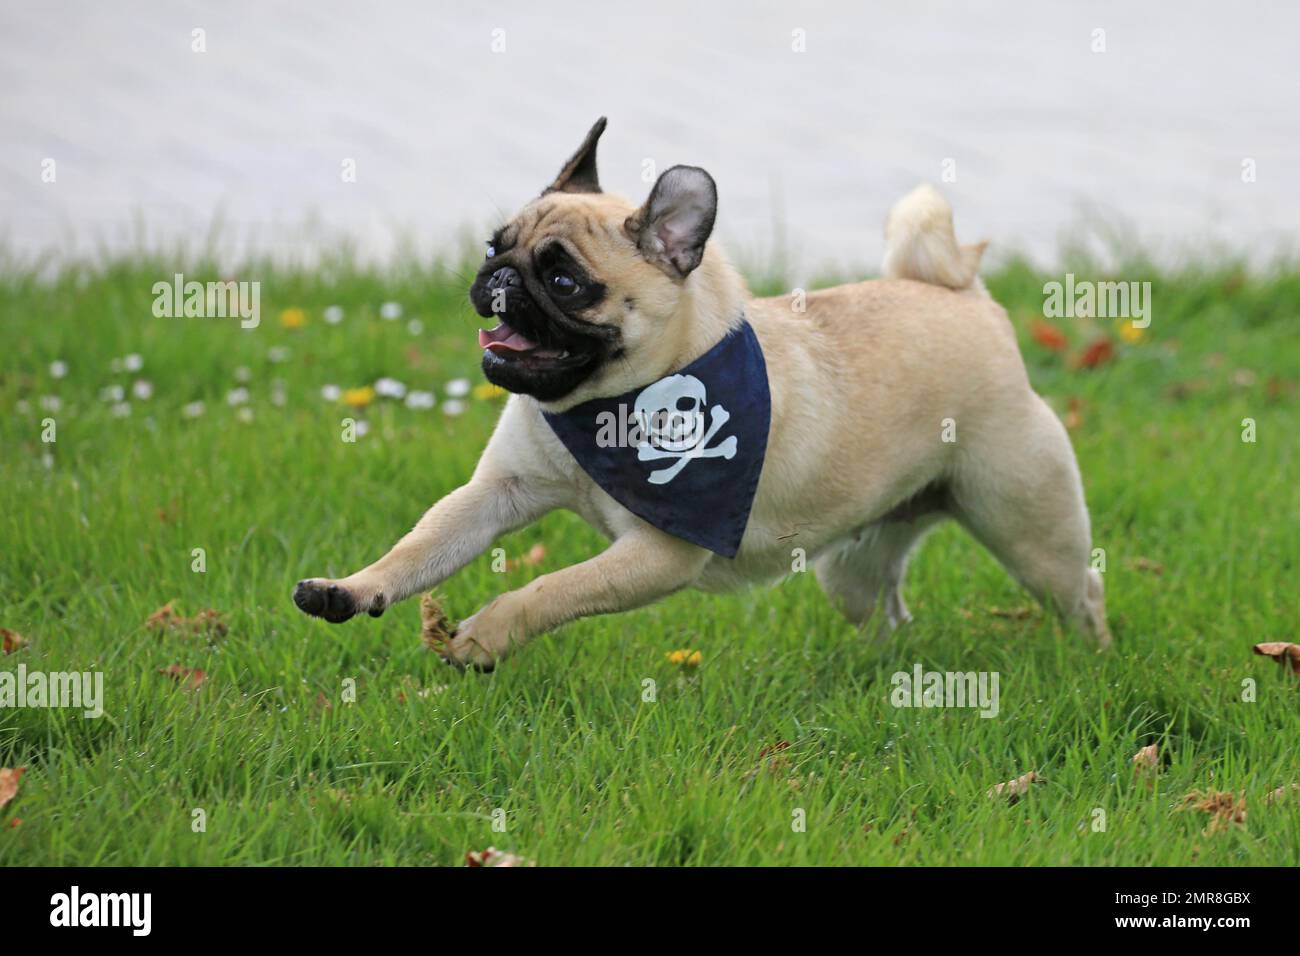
column 886, row 407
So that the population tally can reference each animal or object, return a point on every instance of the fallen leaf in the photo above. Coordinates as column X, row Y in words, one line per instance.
column 1013, row 790
column 1146, row 564
column 9, row 783
column 1099, row 352
column 494, row 857
column 1146, row 758
column 1282, row 652
column 1226, row 809
column 15, row 823
column 435, row 630
column 162, row 618
column 167, row 618
column 1048, row 336
column 11, row 640
column 183, row 675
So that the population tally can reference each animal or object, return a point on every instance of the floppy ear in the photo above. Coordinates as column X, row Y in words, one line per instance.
column 579, row 173
column 675, row 222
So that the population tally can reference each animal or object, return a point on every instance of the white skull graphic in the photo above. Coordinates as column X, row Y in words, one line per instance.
column 673, row 414
column 670, row 413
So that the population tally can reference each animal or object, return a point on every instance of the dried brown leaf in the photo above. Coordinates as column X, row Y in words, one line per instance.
column 1013, row 790
column 191, row 678
column 435, row 629
column 9, row 778
column 1282, row 652
column 1146, row 758
column 167, row 618
column 11, row 641
column 1225, row 808
column 494, row 857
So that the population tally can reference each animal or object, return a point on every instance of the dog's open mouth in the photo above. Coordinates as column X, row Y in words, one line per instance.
column 510, row 344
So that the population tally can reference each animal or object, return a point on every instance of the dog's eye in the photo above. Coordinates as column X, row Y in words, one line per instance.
column 563, row 284
column 491, row 249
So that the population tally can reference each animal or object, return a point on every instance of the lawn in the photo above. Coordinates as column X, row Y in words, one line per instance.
column 310, row 743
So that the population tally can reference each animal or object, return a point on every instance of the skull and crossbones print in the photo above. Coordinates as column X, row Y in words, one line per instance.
column 676, row 423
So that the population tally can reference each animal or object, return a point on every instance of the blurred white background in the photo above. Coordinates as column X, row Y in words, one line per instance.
column 160, row 146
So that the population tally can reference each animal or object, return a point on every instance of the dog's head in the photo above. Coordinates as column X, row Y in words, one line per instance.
column 582, row 284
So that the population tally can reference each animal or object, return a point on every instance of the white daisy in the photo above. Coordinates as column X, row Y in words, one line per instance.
column 458, row 387
column 421, row 400
column 121, row 409
column 245, row 414
column 389, row 388
column 278, row 354
column 194, row 409
column 415, row 326
column 112, row 393
column 330, row 393
column 51, row 403
column 133, row 362
column 142, row 390
column 333, row 314
column 390, row 311
column 237, row 396
column 453, row 406
column 58, row 368
column 243, row 374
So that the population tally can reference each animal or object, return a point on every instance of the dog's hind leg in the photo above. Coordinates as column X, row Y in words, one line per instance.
column 868, row 567
column 1017, row 490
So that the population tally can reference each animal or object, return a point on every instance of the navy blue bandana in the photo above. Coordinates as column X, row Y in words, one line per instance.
column 685, row 452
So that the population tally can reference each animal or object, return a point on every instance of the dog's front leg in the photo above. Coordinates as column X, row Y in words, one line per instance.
column 452, row 533
column 638, row 568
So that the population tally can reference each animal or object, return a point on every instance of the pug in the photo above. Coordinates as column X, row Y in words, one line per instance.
column 719, row 440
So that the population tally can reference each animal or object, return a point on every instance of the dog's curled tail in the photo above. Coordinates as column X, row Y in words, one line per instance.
column 920, row 243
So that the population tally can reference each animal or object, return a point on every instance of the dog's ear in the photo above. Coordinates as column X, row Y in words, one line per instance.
column 675, row 222
column 579, row 173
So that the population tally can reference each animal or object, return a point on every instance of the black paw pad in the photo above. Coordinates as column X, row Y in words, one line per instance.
column 324, row 600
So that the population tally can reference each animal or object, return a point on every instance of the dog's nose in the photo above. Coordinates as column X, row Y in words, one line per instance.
column 507, row 277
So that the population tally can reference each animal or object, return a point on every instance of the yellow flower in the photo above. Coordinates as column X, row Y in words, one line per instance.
column 687, row 658
column 1131, row 334
column 293, row 318
column 359, row 397
column 485, row 391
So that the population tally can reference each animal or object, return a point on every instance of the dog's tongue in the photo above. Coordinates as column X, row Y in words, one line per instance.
column 504, row 339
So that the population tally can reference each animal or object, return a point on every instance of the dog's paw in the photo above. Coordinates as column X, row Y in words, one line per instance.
column 333, row 601
column 475, row 644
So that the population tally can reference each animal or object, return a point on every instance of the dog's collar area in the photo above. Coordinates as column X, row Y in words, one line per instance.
column 684, row 452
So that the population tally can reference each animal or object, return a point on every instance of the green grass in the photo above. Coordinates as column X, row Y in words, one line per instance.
column 100, row 534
